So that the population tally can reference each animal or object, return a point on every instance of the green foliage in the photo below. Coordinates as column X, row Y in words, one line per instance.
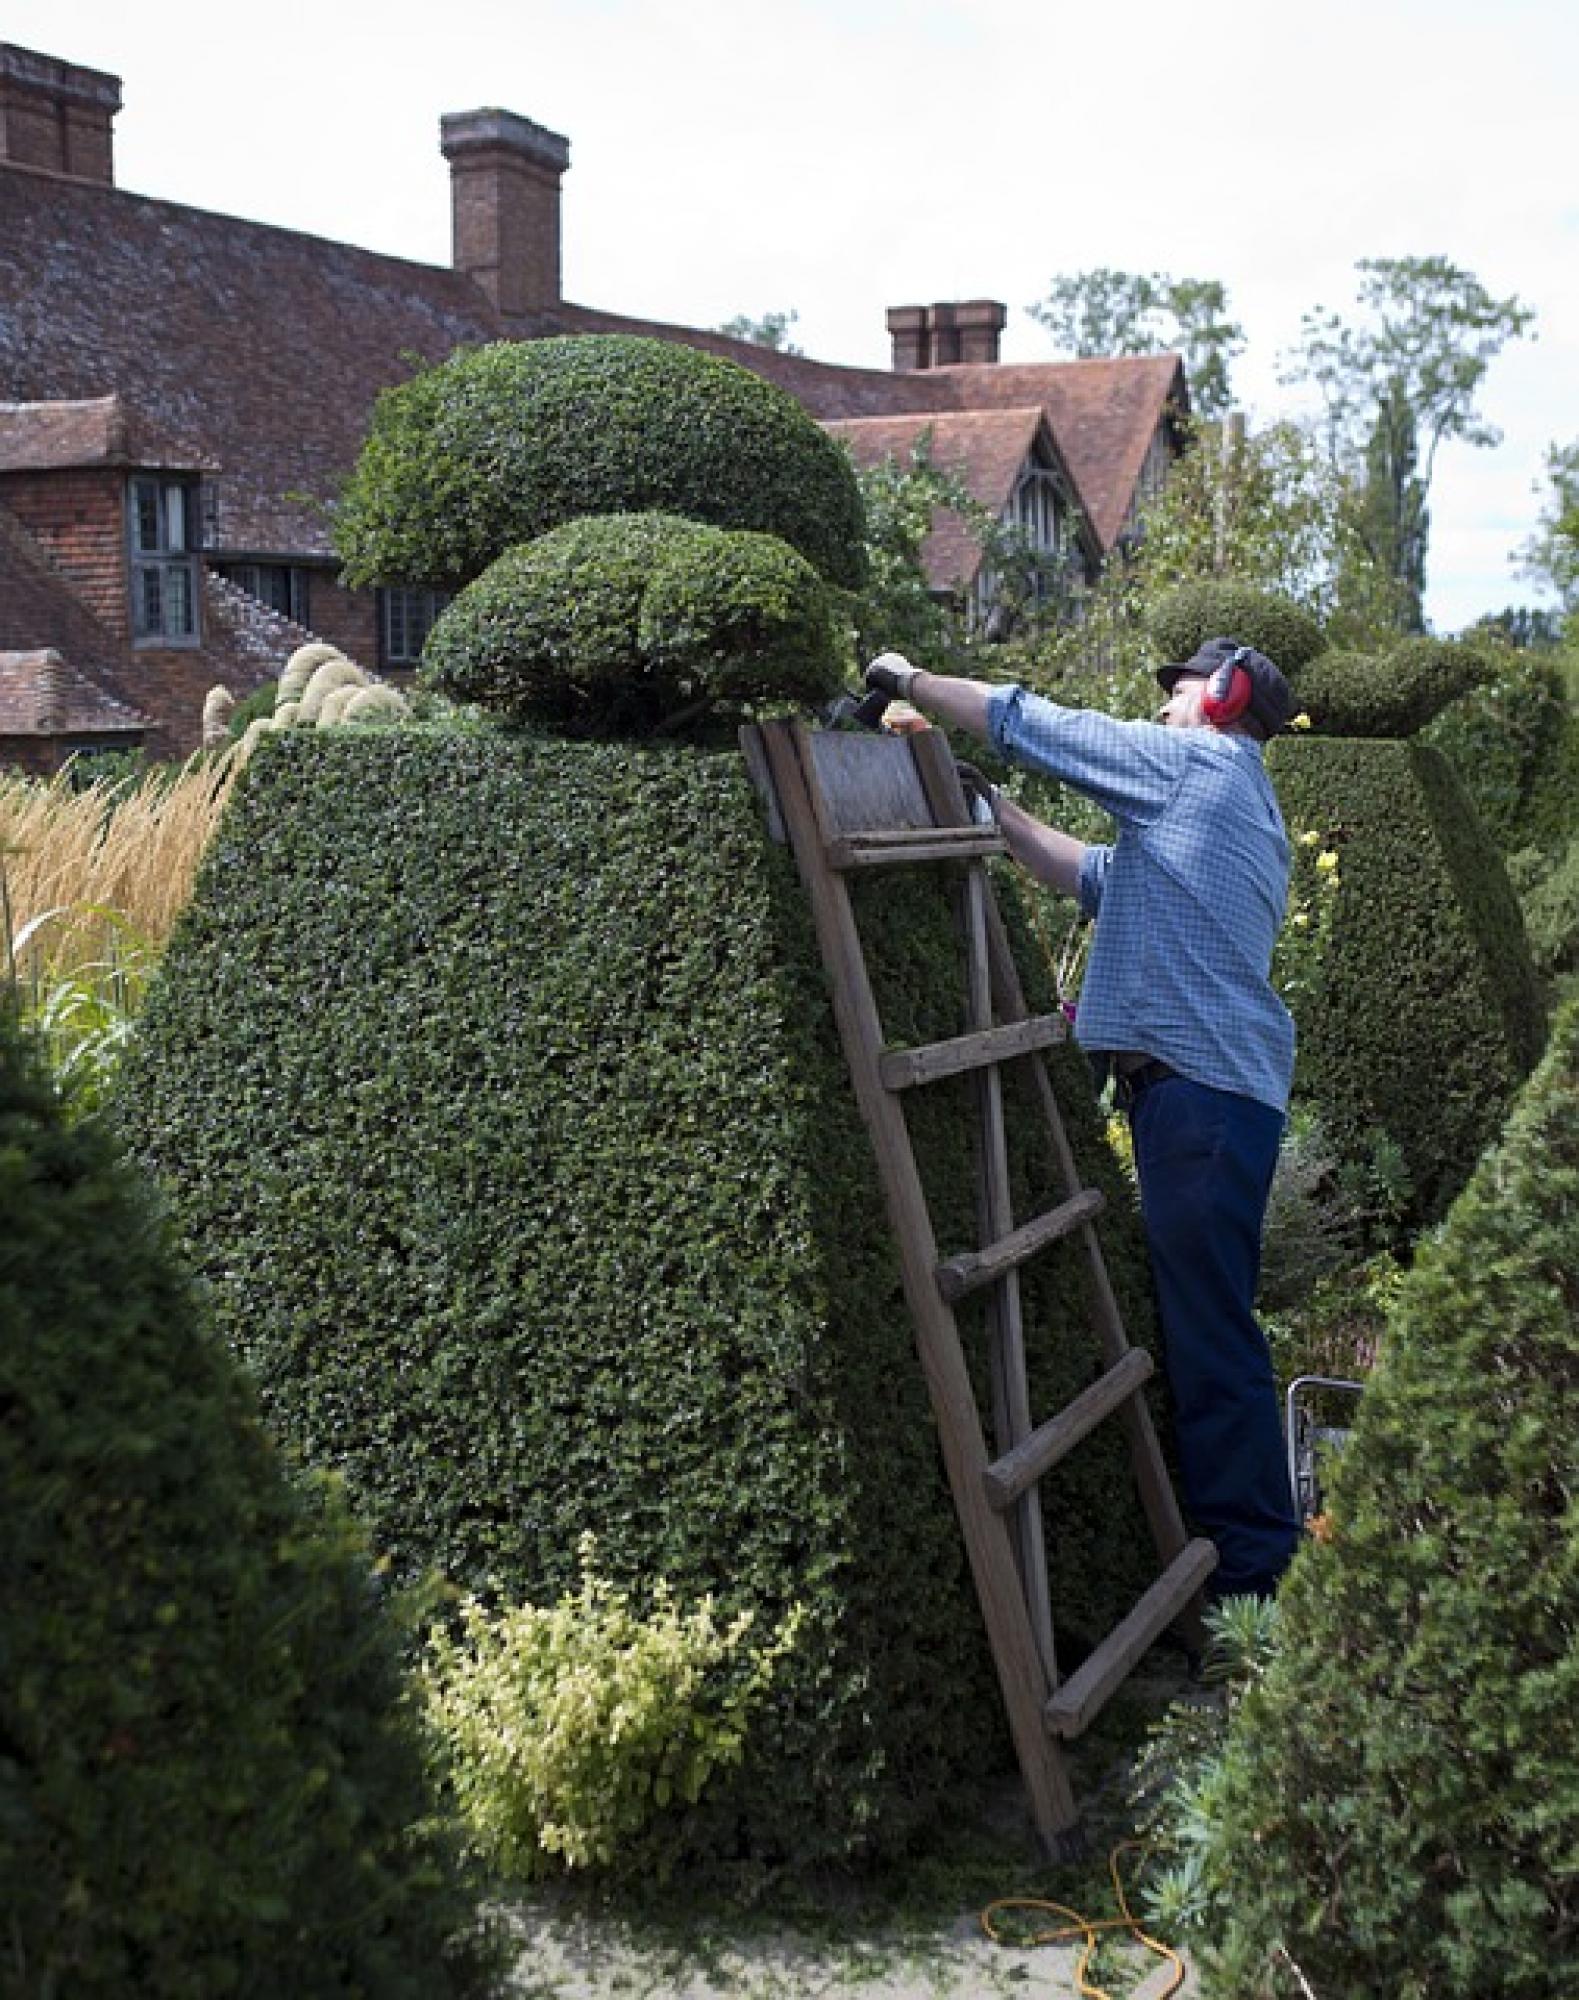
column 1399, row 1814
column 495, row 1088
column 83, row 1017
column 618, row 623
column 499, row 444
column 897, row 609
column 208, row 1783
column 256, row 707
column 1104, row 312
column 563, row 1732
column 1311, row 1229
column 1395, row 693
column 1551, row 915
column 1225, row 606
column 1515, row 746
column 1424, row 1016
column 1551, row 555
column 1397, row 382
column 771, row 330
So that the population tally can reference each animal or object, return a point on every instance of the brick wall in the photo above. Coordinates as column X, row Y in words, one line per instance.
column 79, row 519
column 345, row 618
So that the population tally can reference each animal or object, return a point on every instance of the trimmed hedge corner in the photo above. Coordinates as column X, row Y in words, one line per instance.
column 494, row 1084
column 1398, row 1812
column 1425, row 1016
column 616, row 623
column 208, row 1783
column 1275, row 625
column 1392, row 694
column 499, row 444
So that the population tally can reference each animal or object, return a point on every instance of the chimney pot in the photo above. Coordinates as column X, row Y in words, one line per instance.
column 504, row 188
column 907, row 326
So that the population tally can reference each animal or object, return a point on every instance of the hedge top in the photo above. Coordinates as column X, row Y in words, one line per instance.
column 498, row 444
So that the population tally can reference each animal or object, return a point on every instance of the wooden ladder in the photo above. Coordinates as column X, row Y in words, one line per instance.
column 849, row 802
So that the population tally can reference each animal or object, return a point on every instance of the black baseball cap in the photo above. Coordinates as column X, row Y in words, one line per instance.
column 1272, row 699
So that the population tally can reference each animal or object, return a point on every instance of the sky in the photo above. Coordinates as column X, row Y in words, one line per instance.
column 832, row 158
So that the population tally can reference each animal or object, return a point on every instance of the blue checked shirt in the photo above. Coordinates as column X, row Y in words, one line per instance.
column 1191, row 894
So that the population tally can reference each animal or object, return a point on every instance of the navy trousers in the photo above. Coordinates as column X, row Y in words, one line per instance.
column 1205, row 1159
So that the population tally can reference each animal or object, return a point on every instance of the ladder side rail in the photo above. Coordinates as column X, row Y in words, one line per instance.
column 998, row 1587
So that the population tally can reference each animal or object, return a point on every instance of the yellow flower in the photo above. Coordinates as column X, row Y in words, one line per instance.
column 1327, row 862
column 1309, row 837
column 1301, row 721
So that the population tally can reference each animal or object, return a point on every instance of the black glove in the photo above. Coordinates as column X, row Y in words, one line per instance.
column 979, row 790
column 891, row 674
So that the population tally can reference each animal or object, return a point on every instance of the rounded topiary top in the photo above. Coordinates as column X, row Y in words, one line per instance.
column 1275, row 625
column 620, row 624
column 501, row 443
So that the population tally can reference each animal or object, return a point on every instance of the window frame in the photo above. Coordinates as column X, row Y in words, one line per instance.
column 408, row 606
column 175, row 553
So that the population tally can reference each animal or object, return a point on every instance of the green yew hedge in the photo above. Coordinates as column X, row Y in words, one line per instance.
column 207, row 1782
column 494, row 1087
column 1398, row 1815
column 617, row 624
column 1425, row 1016
column 1396, row 693
column 499, row 444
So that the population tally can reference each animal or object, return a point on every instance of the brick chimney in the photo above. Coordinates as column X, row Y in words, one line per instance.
column 939, row 336
column 504, row 187
column 57, row 115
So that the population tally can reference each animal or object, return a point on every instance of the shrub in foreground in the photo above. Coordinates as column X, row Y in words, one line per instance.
column 499, row 444
column 620, row 623
column 495, row 1087
column 1398, row 1814
column 208, row 1784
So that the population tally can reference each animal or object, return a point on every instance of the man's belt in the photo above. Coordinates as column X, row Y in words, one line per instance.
column 1135, row 1072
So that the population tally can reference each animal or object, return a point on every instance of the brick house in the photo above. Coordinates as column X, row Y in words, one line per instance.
column 181, row 392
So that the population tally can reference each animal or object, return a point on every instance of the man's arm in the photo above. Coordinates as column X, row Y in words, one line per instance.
column 959, row 702
column 1052, row 856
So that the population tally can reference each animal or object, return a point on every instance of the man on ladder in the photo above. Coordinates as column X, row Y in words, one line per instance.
column 1177, row 999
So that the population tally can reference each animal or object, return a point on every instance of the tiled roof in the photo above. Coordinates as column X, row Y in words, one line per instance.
column 985, row 449
column 42, row 694
column 1104, row 415
column 49, row 437
column 263, row 346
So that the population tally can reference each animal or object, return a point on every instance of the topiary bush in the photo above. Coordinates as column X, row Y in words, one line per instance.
column 1423, row 1016
column 494, row 1085
column 617, row 623
column 1275, row 625
column 1398, row 1814
column 499, row 444
column 1551, row 915
column 208, row 1783
column 1508, row 739
column 1392, row 694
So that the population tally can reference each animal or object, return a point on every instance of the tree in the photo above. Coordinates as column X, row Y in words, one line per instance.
column 1396, row 384
column 1103, row 312
column 1551, row 555
column 772, row 330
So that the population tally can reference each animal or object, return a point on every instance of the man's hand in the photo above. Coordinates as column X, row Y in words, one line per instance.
column 893, row 675
column 981, row 794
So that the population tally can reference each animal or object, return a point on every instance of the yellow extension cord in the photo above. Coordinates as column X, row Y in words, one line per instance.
column 1088, row 1928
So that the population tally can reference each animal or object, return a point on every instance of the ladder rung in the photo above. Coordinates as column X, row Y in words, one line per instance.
column 1078, row 1702
column 926, row 843
column 900, row 1068
column 972, row 1269
column 1020, row 1469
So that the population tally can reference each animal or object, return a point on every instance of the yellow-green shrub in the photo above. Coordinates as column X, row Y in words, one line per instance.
column 565, row 1730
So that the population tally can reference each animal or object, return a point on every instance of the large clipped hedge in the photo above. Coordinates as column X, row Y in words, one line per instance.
column 494, row 1085
column 619, row 623
column 1395, row 693
column 498, row 444
column 207, row 1785
column 1424, row 1016
column 1218, row 606
column 1399, row 1813
column 1514, row 741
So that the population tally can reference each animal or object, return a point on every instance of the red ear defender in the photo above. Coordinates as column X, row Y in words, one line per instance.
column 1228, row 690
